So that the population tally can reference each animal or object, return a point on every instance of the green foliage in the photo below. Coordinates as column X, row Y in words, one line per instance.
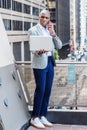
column 56, row 54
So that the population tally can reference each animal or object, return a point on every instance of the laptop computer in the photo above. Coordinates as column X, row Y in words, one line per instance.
column 41, row 42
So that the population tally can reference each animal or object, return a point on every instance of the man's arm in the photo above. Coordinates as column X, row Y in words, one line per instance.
column 56, row 40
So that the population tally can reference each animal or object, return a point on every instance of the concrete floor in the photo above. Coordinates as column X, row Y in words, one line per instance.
column 62, row 127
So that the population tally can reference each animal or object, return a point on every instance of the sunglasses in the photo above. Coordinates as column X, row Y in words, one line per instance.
column 43, row 17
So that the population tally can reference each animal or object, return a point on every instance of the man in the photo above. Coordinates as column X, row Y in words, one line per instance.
column 43, row 69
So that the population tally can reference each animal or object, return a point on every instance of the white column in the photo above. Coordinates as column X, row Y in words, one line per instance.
column 74, row 24
column 83, row 22
column 22, row 50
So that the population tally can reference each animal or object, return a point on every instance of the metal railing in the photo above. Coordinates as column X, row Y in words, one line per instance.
column 69, row 87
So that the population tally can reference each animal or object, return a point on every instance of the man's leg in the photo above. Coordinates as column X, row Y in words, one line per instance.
column 49, row 81
column 40, row 79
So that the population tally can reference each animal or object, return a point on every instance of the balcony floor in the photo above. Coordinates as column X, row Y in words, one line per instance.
column 63, row 127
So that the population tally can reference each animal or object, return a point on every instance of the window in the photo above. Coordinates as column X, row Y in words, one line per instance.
column 26, row 25
column 7, row 24
column 17, row 51
column 26, row 9
column 34, row 24
column 0, row 3
column 16, row 6
column 17, row 25
column 35, row 11
column 6, row 4
column 26, row 51
column 51, row 0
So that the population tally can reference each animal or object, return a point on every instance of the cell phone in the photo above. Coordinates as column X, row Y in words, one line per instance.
column 48, row 22
column 50, row 25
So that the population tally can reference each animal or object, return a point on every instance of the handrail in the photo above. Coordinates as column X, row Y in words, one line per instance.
column 58, row 63
column 23, row 62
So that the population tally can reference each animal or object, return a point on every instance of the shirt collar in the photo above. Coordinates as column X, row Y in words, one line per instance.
column 42, row 27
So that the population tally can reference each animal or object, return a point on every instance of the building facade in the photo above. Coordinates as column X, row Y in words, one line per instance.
column 79, row 23
column 75, row 22
column 18, row 17
column 60, row 16
column 63, row 20
column 82, row 23
column 50, row 5
column 70, row 20
column 86, row 18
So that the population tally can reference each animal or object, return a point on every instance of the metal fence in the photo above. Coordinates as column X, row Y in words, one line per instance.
column 69, row 87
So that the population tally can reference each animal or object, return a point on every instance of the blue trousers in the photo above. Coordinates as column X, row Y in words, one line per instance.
column 44, row 80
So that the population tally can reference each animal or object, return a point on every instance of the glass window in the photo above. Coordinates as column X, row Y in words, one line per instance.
column 51, row 0
column 26, row 9
column 16, row 6
column 17, row 51
column 43, row 1
column 0, row 3
column 17, row 25
column 35, row 11
column 6, row 4
column 34, row 24
column 7, row 24
column 26, row 25
column 3, row 3
column 26, row 51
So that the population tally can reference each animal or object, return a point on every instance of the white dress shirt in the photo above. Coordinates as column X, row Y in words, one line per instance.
column 45, row 32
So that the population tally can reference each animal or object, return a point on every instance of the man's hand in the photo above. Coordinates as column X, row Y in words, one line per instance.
column 51, row 29
column 41, row 51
